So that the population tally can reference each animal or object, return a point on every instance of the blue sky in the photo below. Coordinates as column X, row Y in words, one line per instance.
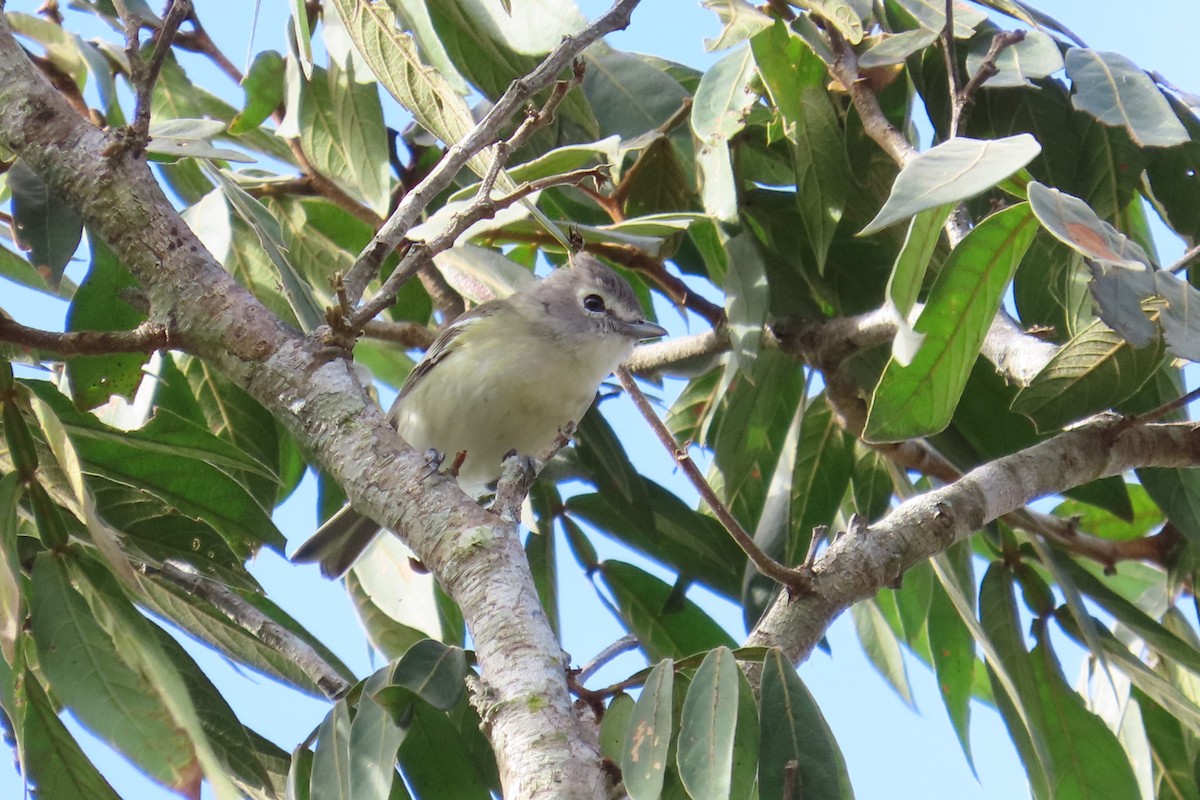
column 891, row 751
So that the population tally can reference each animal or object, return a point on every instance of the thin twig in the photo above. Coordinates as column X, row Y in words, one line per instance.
column 623, row 645
column 1186, row 258
column 146, row 338
column 955, row 85
column 1156, row 414
column 409, row 334
column 391, row 235
column 875, row 122
column 145, row 74
column 419, row 254
column 329, row 680
column 482, row 207
column 197, row 40
column 797, row 580
column 987, row 69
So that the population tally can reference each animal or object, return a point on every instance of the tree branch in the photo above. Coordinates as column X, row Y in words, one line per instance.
column 484, row 133
column 477, row 557
column 146, row 338
column 420, row 254
column 262, row 627
column 856, row 566
column 796, row 579
column 145, row 73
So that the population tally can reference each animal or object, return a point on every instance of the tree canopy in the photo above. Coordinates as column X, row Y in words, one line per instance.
column 934, row 377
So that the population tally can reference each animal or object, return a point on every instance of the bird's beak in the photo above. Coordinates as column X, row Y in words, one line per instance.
column 642, row 330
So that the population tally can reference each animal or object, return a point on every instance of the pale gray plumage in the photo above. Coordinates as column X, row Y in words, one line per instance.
column 508, row 375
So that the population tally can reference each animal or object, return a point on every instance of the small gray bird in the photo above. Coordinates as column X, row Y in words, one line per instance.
column 507, row 375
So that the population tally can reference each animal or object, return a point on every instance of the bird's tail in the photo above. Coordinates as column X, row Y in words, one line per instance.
column 338, row 543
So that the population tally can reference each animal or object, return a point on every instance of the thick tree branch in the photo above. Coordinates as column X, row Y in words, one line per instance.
column 542, row 747
column 856, row 566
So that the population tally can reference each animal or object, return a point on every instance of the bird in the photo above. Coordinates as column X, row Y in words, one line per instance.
column 509, row 375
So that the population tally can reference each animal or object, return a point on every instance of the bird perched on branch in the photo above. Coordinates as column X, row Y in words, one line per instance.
column 508, row 375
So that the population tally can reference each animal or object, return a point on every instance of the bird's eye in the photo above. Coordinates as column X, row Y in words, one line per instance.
column 594, row 303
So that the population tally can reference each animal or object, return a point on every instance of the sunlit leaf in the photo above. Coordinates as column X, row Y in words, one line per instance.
column 648, row 737
column 920, row 399
column 706, row 728
column 952, row 171
column 1116, row 91
column 794, row 730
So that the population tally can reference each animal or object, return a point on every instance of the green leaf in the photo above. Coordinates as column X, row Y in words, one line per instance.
column 1051, row 289
column 1101, row 522
column 908, row 276
column 670, row 532
column 270, row 236
column 213, row 627
column 952, row 649
column 343, row 135
column 375, row 738
column 255, row 764
column 707, row 726
column 1169, row 745
column 658, row 181
column 437, row 761
column 617, row 721
column 793, row 730
column 1088, row 761
column 173, row 139
column 16, row 269
column 178, row 462
column 393, row 57
column 662, row 631
column 12, row 612
column 920, row 399
column 1116, row 91
column 648, row 736
column 881, row 646
column 415, row 17
column 263, row 85
column 724, row 97
column 1011, row 669
column 101, row 304
column 931, row 14
column 389, row 634
column 894, row 48
column 1181, row 328
column 1152, row 632
column 433, row 672
column 90, row 675
column 1094, row 371
column 628, row 93
column 493, row 49
column 952, row 171
column 50, row 758
column 1172, row 172
column 43, row 224
column 744, row 778
column 824, row 463
column 746, row 296
column 794, row 78
column 331, row 761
